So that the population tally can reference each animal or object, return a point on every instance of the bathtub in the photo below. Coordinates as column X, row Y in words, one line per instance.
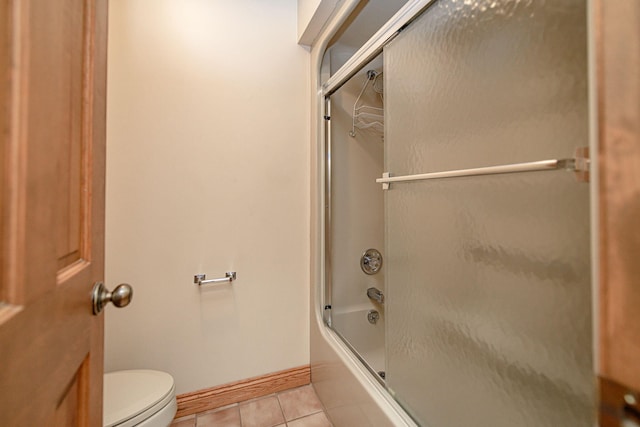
column 365, row 339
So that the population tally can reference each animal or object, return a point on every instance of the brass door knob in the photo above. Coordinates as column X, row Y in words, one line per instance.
column 101, row 296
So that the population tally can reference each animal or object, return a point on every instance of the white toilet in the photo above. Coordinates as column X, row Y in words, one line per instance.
column 141, row 398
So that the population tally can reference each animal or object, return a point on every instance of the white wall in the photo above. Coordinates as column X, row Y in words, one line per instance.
column 306, row 9
column 207, row 171
column 312, row 16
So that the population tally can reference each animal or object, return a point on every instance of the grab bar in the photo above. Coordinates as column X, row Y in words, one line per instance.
column 579, row 164
column 200, row 279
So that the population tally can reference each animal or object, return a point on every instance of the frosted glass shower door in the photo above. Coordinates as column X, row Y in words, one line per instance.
column 488, row 277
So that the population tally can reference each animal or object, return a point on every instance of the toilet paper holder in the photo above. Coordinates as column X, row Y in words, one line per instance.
column 201, row 279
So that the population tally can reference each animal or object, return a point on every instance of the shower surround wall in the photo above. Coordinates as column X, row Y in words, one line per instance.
column 208, row 171
column 327, row 361
column 350, row 395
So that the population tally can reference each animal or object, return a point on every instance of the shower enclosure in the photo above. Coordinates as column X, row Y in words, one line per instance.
column 356, row 232
column 457, row 262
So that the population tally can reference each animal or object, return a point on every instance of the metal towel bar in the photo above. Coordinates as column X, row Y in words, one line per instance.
column 200, row 279
column 580, row 165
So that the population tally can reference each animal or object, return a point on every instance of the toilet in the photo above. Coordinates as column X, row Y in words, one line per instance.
column 141, row 398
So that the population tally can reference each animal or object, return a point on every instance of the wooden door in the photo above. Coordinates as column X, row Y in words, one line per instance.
column 52, row 127
column 617, row 32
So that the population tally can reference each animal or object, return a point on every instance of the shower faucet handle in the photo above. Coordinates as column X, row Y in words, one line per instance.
column 371, row 261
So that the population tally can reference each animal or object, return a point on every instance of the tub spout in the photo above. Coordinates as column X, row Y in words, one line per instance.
column 376, row 295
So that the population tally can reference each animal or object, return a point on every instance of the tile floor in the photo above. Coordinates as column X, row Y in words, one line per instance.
column 298, row 407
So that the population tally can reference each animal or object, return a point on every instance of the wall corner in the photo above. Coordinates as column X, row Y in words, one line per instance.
column 312, row 17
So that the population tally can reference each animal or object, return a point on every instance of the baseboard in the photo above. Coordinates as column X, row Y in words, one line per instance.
column 215, row 397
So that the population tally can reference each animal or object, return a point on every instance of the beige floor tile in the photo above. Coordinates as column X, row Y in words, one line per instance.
column 225, row 417
column 318, row 419
column 263, row 412
column 299, row 402
column 188, row 421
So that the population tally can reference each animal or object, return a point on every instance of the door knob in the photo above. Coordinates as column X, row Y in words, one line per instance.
column 120, row 297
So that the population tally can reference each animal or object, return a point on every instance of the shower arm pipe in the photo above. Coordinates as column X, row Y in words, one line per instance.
column 580, row 165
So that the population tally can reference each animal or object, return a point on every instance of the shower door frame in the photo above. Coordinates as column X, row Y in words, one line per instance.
column 324, row 340
column 328, row 276
column 370, row 50
column 596, row 40
column 327, row 312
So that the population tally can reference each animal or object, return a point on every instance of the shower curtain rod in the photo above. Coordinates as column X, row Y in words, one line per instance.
column 580, row 165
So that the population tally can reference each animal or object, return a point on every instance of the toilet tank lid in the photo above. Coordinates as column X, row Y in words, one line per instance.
column 127, row 394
